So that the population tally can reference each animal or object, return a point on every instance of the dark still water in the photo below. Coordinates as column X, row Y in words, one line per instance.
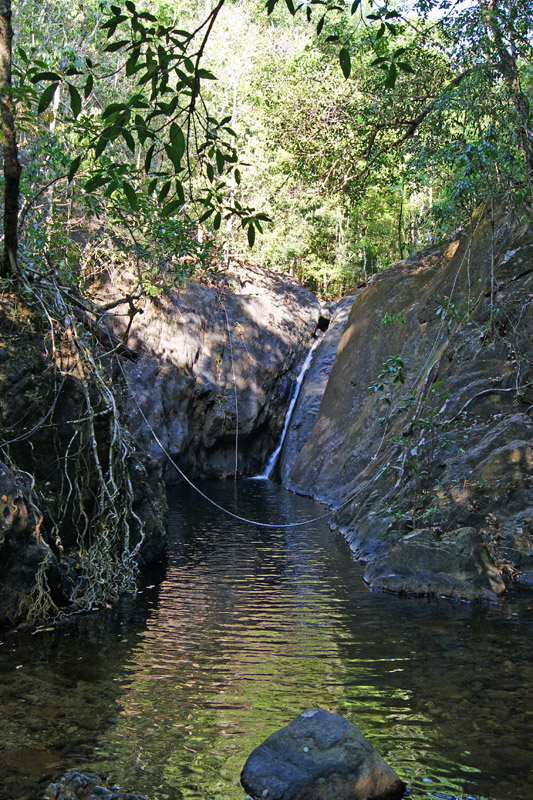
column 249, row 627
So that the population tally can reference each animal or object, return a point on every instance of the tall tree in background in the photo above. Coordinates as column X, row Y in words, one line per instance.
column 12, row 167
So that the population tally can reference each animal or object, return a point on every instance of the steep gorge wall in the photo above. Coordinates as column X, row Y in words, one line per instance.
column 446, row 466
column 216, row 367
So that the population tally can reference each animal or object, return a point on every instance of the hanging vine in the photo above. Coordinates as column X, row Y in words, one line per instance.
column 89, row 529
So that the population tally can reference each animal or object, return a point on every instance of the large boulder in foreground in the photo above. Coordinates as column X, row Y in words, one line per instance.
column 319, row 756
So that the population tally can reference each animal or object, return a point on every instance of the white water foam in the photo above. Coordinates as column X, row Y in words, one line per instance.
column 273, row 460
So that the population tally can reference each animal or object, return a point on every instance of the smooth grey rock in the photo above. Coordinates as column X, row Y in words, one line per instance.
column 455, row 565
column 319, row 756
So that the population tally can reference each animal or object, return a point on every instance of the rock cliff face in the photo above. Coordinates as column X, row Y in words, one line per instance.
column 426, row 422
column 306, row 409
column 216, row 367
column 42, row 412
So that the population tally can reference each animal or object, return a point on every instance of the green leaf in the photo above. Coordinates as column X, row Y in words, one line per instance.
column 320, row 25
column 89, row 83
column 132, row 64
column 128, row 138
column 333, row 38
column 251, row 235
column 237, row 176
column 176, row 145
column 47, row 97
column 206, row 214
column 206, row 75
column 392, row 74
column 220, row 161
column 140, row 127
column 290, row 6
column 95, row 182
column 131, row 195
column 113, row 108
column 148, row 158
column 23, row 55
column 381, row 32
column 345, row 62
column 75, row 100
column 100, row 146
column 217, row 220
column 163, row 192
column 45, row 76
column 405, row 67
column 180, row 192
column 170, row 208
column 211, row 173
column 355, row 6
column 114, row 46
column 73, row 168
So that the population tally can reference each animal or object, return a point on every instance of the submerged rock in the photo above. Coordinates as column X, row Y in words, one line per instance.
column 319, row 756
column 77, row 785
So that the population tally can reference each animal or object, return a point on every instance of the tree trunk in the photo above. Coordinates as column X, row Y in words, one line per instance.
column 12, row 167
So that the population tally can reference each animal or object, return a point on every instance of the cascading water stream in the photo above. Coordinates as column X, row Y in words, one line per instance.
column 273, row 460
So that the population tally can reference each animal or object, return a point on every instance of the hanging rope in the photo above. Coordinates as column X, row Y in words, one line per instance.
column 209, row 499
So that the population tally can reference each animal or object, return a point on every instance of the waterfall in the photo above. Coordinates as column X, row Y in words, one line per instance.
column 273, row 460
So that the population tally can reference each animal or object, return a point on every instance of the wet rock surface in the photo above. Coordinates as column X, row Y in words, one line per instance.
column 451, row 352
column 313, row 388
column 216, row 367
column 86, row 786
column 319, row 756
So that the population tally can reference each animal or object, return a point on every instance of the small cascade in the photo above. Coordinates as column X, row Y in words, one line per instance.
column 273, row 460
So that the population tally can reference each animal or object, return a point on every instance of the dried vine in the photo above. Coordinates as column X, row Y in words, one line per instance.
column 89, row 532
